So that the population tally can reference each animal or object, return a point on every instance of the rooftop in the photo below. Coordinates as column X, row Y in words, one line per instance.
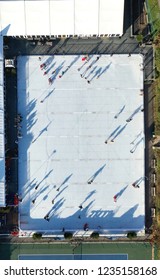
column 64, row 161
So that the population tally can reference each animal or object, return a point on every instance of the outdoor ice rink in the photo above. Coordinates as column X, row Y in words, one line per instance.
column 63, row 152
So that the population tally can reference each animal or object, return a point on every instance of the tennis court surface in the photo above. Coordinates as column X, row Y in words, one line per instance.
column 134, row 250
column 74, row 257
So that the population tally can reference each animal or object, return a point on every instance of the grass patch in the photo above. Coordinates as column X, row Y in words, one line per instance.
column 156, row 92
column 153, row 10
column 154, row 15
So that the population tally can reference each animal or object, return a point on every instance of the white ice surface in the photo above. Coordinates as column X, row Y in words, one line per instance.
column 63, row 143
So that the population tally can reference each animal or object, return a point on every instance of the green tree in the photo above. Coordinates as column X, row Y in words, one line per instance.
column 94, row 235
column 37, row 235
column 68, row 235
column 131, row 234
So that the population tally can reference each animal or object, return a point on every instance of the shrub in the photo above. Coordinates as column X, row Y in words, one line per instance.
column 95, row 235
column 131, row 234
column 68, row 235
column 139, row 38
column 37, row 235
column 4, row 210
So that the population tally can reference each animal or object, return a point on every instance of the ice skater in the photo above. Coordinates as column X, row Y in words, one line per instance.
column 84, row 58
column 129, row 120
column 115, row 198
column 52, row 201
column 46, row 218
column 135, row 186
column 90, row 182
column 50, row 81
column 19, row 135
column 19, row 198
column 42, row 66
column 36, row 187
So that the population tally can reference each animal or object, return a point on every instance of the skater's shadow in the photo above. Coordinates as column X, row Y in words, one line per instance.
column 135, row 112
column 46, row 176
column 135, row 147
column 49, row 60
column 89, row 196
column 55, row 208
column 87, row 209
column 31, row 121
column 80, row 68
column 89, row 67
column 139, row 181
column 30, row 106
column 42, row 131
column 57, row 71
column 48, row 95
column 50, row 67
column 96, row 74
column 113, row 132
column 73, row 62
column 121, row 110
column 66, row 180
column 42, row 190
column 47, row 194
column 138, row 135
column 91, row 72
column 104, row 70
column 119, row 132
column 118, row 195
column 92, row 178
column 61, row 191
